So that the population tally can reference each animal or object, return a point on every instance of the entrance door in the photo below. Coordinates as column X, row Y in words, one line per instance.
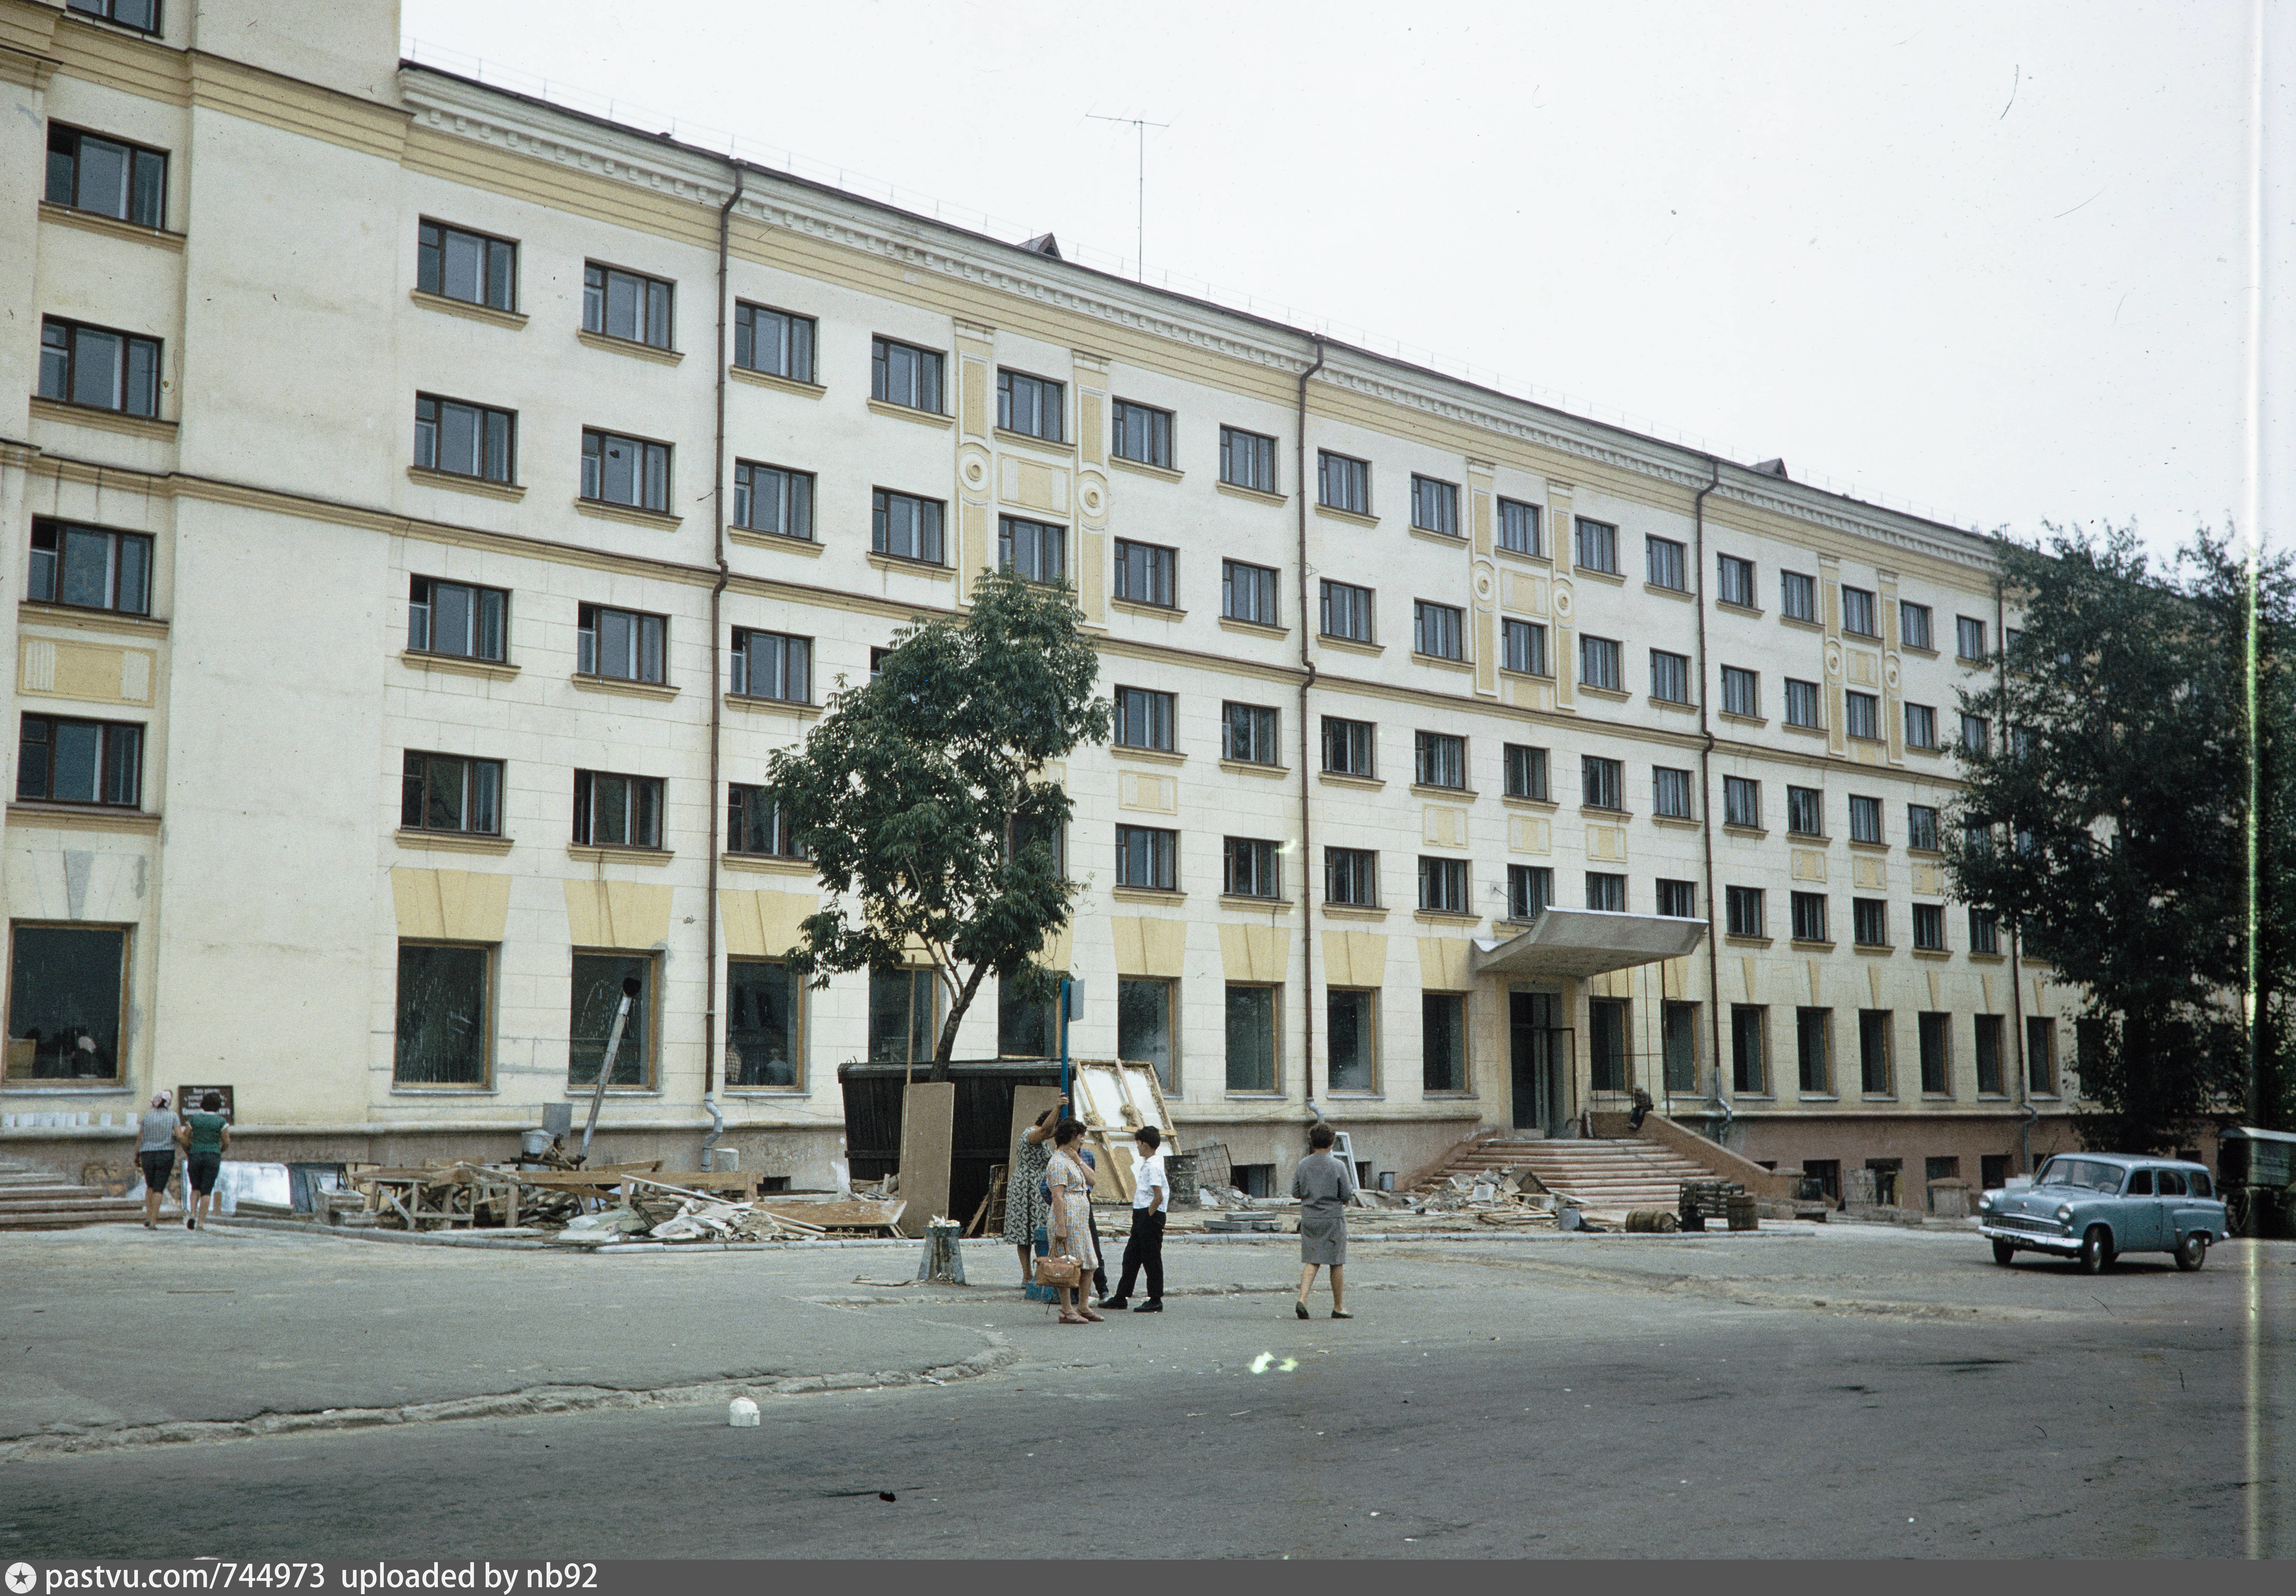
column 1538, row 1057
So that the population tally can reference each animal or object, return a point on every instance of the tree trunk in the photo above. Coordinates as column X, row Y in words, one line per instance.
column 946, row 1046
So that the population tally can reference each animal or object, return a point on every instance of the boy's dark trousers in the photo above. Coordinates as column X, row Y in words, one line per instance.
column 1146, row 1247
column 1100, row 1255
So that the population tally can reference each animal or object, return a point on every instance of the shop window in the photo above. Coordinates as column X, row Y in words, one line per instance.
column 445, row 1015
column 765, row 1040
column 67, row 991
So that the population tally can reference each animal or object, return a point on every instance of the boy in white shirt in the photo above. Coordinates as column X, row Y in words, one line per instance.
column 1151, row 1196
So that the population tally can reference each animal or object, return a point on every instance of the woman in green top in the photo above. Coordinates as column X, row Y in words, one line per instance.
column 204, row 1136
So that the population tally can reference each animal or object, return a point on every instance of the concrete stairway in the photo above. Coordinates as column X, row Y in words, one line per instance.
column 30, row 1200
column 1606, row 1176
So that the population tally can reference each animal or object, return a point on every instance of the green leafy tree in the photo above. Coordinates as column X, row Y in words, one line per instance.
column 922, row 800
column 2107, row 819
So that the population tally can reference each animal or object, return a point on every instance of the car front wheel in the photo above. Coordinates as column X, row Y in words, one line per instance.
column 2095, row 1250
column 2003, row 1252
column 2192, row 1251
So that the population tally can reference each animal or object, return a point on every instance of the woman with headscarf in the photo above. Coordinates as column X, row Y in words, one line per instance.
column 1070, row 1223
column 155, row 1150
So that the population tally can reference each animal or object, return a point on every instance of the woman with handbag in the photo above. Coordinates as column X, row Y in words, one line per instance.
column 1069, row 1220
column 1024, row 1196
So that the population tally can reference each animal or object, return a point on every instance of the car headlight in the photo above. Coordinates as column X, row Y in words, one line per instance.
column 1985, row 1203
column 2065, row 1212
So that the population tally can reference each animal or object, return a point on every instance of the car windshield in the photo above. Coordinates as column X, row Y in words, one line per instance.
column 2089, row 1173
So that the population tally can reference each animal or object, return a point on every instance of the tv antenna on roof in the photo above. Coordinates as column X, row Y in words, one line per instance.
column 1140, row 126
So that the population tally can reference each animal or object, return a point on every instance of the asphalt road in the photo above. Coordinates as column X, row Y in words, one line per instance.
column 1857, row 1394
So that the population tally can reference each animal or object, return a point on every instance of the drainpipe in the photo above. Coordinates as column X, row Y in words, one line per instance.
column 717, row 691
column 2016, row 945
column 1706, row 791
column 1306, row 780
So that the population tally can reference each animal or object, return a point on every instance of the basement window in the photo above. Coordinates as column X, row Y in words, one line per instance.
column 67, row 993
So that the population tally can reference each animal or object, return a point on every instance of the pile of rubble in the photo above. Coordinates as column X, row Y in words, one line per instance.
column 1502, row 1199
column 597, row 1207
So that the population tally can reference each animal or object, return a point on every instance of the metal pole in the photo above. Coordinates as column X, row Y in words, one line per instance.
column 606, row 1064
column 1064, row 1035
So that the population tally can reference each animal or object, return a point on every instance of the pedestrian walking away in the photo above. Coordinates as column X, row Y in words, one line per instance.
column 1323, row 1182
column 1070, row 1219
column 203, row 1137
column 1152, row 1199
column 1024, row 1187
column 155, row 1150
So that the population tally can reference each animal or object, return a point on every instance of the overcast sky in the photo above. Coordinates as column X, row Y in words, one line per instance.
column 1988, row 262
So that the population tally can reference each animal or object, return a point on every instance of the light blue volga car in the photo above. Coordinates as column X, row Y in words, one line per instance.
column 2092, row 1206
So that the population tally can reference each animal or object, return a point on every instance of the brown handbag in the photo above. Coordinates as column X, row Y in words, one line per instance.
column 1058, row 1270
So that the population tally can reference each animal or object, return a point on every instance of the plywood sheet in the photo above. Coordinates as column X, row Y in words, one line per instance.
column 928, row 1124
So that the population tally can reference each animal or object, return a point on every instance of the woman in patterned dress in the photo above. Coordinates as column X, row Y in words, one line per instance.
column 1024, row 1198
column 1070, row 1223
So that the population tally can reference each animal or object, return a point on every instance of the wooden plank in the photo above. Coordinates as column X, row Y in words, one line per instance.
column 928, row 1128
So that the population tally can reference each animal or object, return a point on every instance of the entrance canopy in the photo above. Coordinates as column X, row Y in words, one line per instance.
column 1577, row 944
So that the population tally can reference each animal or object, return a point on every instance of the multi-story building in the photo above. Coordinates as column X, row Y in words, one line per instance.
column 418, row 491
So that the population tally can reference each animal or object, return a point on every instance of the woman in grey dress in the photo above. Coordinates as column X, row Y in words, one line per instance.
column 1024, row 1191
column 1323, row 1182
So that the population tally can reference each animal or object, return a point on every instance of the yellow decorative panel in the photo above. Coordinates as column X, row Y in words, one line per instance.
column 1607, row 843
column 1033, row 486
column 92, row 672
column 1864, row 669
column 1091, row 576
column 972, row 543
column 1869, row 870
column 764, row 925
column 1354, row 958
column 1092, row 428
column 1991, row 1005
column 1146, row 946
column 632, row 914
column 450, row 906
column 1255, row 953
column 1809, row 864
column 1929, row 880
column 1522, row 592
column 38, row 671
column 1528, row 692
column 1747, row 980
column 1059, row 948
column 1445, row 963
column 1445, row 827
column 1673, row 978
column 1531, row 834
column 1142, row 790
column 1816, row 976
column 978, row 416
column 1874, row 982
column 1936, row 1002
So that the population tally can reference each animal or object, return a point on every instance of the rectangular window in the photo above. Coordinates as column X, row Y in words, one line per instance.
column 1519, row 530
column 1734, row 579
column 1443, row 886
column 124, row 182
column 1864, row 819
column 1670, row 677
column 777, row 342
column 1023, row 834
column 765, row 1037
column 1251, row 867
column 772, row 665
column 1810, row 917
column 1670, row 792
column 1677, row 1025
column 1597, row 546
column 1601, row 782
column 1968, row 637
column 619, row 304
column 1526, row 771
column 1146, row 573
column 1858, row 616
column 467, row 441
column 1805, row 811
column 597, row 991
column 905, row 375
column 1251, row 1038
column 1984, row 931
column 457, row 264
column 1796, row 596
column 444, row 792
column 1439, row 759
column 1936, row 1031
column 1677, row 900
column 1345, row 612
column 1663, row 558
column 1033, row 550
column 1141, row 433
column 1247, row 593
column 1351, row 876
column 1248, row 734
column 1863, row 716
column 1145, row 1015
column 905, row 527
column 1814, row 1048
column 773, row 498
column 1143, row 718
column 1742, row 692
column 1600, row 665
column 1342, row 482
column 1607, row 891
column 1976, row 734
column 1443, row 1041
column 143, row 15
column 1741, row 802
column 1801, row 704
column 619, row 644
column 1530, row 889
column 1929, row 928
column 100, row 368
column 1913, row 625
column 1347, row 747
column 67, row 997
column 2041, row 1057
column 630, row 471
column 89, row 568
column 1247, row 460
column 1145, row 857
column 616, row 811
column 446, row 1015
column 756, row 825
column 1352, row 1029
column 1991, row 1074
column 1875, row 1078
column 1438, row 629
column 1920, row 726
column 1922, row 827
column 1749, row 1050
column 1522, row 647
column 450, row 617
column 1030, row 405
column 904, row 1016
column 1027, row 1027
column 1435, row 506
column 1606, row 1045
column 1744, row 907
column 62, row 761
